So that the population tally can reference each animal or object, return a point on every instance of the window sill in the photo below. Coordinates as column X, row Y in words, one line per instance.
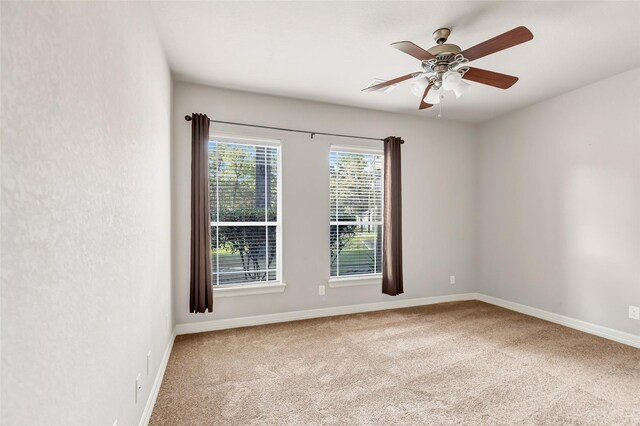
column 249, row 289
column 358, row 280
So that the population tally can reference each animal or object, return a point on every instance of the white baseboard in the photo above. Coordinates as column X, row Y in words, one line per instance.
column 153, row 395
column 587, row 327
column 598, row 330
column 199, row 327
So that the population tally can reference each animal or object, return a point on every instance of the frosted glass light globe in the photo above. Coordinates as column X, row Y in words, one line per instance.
column 418, row 86
column 433, row 97
column 450, row 80
column 460, row 89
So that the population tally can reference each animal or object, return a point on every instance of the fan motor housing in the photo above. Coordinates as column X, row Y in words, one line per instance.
column 445, row 49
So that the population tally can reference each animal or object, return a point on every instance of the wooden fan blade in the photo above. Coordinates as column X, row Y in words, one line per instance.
column 423, row 104
column 498, row 43
column 390, row 82
column 495, row 79
column 413, row 50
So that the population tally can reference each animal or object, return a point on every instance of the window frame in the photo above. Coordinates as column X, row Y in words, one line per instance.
column 358, row 279
column 256, row 287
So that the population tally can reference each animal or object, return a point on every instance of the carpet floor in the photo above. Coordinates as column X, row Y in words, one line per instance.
column 453, row 363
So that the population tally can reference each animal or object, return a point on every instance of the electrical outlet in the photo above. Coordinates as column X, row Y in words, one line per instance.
column 115, row 423
column 138, row 387
column 321, row 290
column 634, row 312
column 452, row 279
column 148, row 362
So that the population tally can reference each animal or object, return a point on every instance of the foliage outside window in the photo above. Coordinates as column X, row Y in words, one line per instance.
column 245, row 224
column 356, row 213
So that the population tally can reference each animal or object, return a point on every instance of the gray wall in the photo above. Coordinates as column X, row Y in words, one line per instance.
column 85, row 266
column 540, row 207
column 559, row 204
column 438, row 186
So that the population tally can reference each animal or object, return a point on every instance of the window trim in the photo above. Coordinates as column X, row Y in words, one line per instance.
column 355, row 149
column 249, row 289
column 246, row 140
column 355, row 280
column 359, row 279
column 258, row 287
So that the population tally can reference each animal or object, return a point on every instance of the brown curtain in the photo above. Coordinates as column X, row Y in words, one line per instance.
column 392, row 221
column 201, row 296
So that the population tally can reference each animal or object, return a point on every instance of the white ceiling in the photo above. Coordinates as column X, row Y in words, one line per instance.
column 329, row 51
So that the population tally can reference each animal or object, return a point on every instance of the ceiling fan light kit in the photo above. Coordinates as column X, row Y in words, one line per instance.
column 444, row 66
column 418, row 87
column 460, row 89
column 433, row 97
column 451, row 79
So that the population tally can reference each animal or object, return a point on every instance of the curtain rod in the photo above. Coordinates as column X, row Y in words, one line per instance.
column 188, row 118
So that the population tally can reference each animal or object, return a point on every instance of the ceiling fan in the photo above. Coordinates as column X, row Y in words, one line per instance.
column 445, row 66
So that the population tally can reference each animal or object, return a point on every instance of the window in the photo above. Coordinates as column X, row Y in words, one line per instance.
column 245, row 218
column 356, row 212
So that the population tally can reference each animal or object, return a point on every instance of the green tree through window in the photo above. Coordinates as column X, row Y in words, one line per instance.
column 356, row 213
column 243, row 184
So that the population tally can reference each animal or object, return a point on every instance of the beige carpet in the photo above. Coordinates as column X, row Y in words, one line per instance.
column 454, row 363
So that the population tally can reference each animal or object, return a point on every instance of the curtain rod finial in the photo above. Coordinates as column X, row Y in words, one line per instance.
column 187, row 117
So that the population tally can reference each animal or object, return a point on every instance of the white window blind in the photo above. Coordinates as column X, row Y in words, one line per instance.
column 245, row 223
column 356, row 212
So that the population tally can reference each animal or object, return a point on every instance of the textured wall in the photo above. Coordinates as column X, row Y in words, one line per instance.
column 559, row 204
column 85, row 241
column 438, row 181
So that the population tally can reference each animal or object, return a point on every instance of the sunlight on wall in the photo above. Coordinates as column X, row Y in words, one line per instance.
column 600, row 204
column 598, row 208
